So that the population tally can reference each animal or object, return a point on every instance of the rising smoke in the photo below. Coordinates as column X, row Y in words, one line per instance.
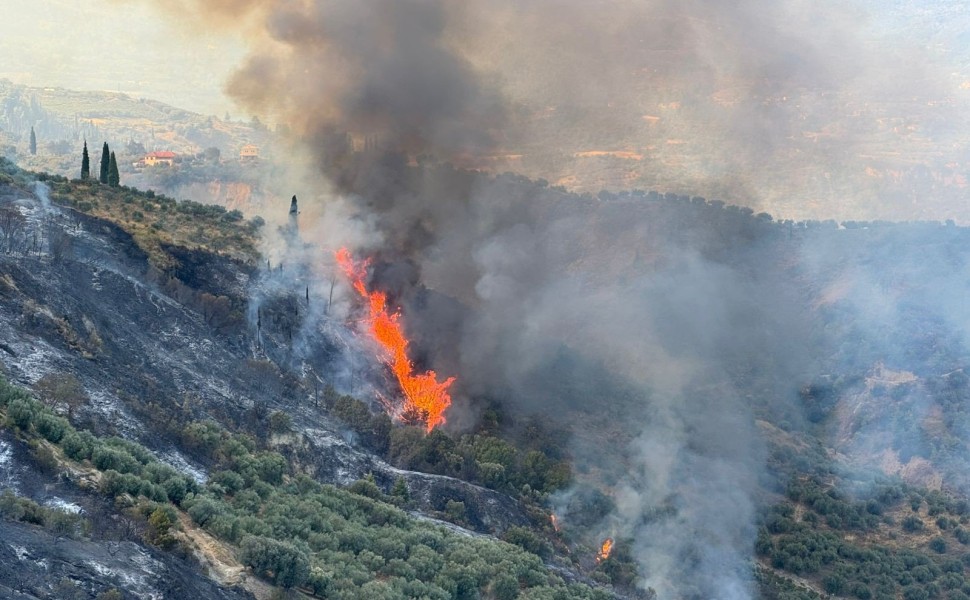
column 557, row 305
column 775, row 105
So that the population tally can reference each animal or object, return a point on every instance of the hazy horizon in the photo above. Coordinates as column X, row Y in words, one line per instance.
column 135, row 50
column 856, row 112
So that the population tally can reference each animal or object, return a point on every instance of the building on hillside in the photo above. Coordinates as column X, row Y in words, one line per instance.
column 249, row 152
column 159, row 158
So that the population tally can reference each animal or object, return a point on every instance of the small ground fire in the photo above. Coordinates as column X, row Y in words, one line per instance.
column 425, row 398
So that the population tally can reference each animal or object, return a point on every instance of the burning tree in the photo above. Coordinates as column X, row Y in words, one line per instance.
column 605, row 549
column 425, row 398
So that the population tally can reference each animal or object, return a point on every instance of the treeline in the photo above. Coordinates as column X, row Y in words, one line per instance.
column 290, row 529
column 809, row 536
column 530, row 472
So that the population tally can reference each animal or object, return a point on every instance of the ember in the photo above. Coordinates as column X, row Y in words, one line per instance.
column 425, row 399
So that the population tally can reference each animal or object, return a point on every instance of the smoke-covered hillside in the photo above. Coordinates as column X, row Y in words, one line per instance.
column 669, row 340
column 682, row 377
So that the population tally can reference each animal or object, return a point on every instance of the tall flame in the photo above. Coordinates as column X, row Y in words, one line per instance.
column 605, row 550
column 425, row 398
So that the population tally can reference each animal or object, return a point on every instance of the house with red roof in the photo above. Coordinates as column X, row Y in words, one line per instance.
column 160, row 158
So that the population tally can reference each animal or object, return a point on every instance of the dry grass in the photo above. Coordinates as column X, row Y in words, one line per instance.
column 155, row 221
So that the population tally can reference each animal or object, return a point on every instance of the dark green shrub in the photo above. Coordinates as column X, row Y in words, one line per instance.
column 526, row 539
column 284, row 564
column 912, row 524
column 962, row 535
column 230, row 480
column 105, row 459
column 21, row 412
column 366, row 487
column 203, row 510
column 51, row 427
column 78, row 446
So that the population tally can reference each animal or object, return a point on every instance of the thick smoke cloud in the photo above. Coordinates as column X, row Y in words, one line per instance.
column 781, row 106
column 721, row 99
column 561, row 306
column 381, row 68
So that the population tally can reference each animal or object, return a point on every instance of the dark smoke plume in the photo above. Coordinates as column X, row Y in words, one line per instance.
column 383, row 68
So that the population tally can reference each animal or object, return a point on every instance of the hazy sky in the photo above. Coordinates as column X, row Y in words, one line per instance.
column 124, row 47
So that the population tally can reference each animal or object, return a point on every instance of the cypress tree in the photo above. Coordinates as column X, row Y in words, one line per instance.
column 85, row 162
column 33, row 141
column 105, row 160
column 114, row 178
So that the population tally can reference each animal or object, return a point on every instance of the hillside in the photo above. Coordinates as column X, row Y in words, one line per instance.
column 692, row 357
column 208, row 166
column 142, row 333
column 62, row 115
column 193, row 401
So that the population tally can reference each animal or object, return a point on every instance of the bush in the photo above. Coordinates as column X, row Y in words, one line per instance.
column 202, row 511
column 21, row 413
column 175, row 489
column 456, row 511
column 230, row 480
column 9, row 393
column 44, row 457
column 78, row 446
column 51, row 427
column 834, row 584
column 284, row 564
column 105, row 459
column 962, row 535
column 527, row 540
column 860, row 591
column 912, row 524
column 366, row 487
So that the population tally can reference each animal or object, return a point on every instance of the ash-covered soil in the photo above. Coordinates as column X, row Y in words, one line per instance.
column 36, row 564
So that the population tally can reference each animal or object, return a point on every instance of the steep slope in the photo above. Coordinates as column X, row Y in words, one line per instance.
column 132, row 334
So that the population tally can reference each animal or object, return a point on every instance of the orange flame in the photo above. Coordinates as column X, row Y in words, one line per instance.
column 555, row 523
column 425, row 398
column 605, row 550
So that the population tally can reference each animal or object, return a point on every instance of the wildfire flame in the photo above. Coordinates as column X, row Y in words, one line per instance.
column 425, row 398
column 555, row 523
column 605, row 550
